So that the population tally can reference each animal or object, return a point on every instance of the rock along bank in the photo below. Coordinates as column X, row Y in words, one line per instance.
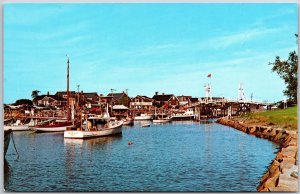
column 282, row 174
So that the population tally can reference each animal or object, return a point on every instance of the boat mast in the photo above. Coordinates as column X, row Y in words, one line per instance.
column 68, row 92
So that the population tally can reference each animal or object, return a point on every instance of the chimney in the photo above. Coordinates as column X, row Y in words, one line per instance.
column 156, row 93
column 48, row 93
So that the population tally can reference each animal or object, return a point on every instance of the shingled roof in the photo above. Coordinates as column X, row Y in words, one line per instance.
column 90, row 94
column 55, row 97
column 116, row 96
column 162, row 97
column 194, row 100
column 61, row 93
column 39, row 97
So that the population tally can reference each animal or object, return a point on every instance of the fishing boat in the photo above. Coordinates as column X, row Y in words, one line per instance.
column 186, row 115
column 96, row 127
column 161, row 118
column 19, row 126
column 52, row 127
column 58, row 125
column 95, row 130
column 143, row 117
column 7, row 134
column 145, row 125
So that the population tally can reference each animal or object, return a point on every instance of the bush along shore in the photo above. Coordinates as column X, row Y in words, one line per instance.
column 282, row 174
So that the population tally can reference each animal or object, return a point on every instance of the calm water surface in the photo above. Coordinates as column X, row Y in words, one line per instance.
column 181, row 156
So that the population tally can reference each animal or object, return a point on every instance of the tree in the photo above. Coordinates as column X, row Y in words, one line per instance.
column 34, row 94
column 287, row 70
column 23, row 102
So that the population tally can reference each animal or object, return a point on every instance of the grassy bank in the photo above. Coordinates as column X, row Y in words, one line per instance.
column 285, row 118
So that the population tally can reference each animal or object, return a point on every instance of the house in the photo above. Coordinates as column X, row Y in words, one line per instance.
column 49, row 100
column 93, row 96
column 63, row 94
column 166, row 100
column 213, row 99
column 183, row 100
column 192, row 101
column 120, row 111
column 119, row 99
column 143, row 103
column 90, row 104
column 105, row 99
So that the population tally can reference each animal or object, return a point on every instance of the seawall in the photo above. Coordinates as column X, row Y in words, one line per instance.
column 282, row 174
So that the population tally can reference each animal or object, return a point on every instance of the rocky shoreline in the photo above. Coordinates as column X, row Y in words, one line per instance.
column 282, row 174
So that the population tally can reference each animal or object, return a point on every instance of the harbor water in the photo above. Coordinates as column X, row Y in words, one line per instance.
column 180, row 156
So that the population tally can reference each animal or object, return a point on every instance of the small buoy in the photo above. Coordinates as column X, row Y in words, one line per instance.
column 130, row 143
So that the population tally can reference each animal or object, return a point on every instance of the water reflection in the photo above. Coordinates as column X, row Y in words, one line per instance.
column 181, row 156
column 92, row 143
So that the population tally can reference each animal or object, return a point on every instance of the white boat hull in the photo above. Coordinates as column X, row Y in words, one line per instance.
column 161, row 120
column 183, row 117
column 50, row 129
column 89, row 134
column 146, row 117
column 17, row 128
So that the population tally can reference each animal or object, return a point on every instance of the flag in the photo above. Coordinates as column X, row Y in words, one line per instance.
column 209, row 75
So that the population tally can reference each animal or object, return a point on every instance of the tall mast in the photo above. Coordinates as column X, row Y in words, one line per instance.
column 68, row 92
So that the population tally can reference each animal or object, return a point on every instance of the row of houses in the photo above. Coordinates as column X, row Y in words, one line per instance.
column 138, row 103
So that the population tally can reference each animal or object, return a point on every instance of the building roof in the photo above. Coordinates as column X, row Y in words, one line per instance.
column 61, row 93
column 185, row 96
column 162, row 97
column 90, row 94
column 143, row 97
column 147, row 97
column 91, row 101
column 194, row 99
column 58, row 98
column 120, row 107
column 116, row 96
column 40, row 97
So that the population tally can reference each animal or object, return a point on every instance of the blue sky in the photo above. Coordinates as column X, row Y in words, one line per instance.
column 146, row 48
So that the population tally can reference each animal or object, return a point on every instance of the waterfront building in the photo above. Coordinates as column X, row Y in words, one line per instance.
column 92, row 96
column 63, row 94
column 193, row 101
column 141, row 104
column 120, row 111
column 166, row 100
column 119, row 99
column 49, row 100
column 184, row 100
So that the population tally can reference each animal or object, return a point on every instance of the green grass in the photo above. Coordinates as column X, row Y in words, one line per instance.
column 285, row 118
